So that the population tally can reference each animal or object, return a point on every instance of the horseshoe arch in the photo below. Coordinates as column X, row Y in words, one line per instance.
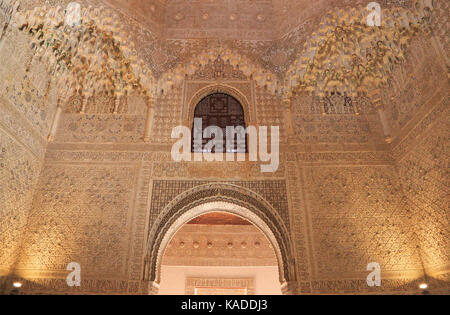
column 222, row 197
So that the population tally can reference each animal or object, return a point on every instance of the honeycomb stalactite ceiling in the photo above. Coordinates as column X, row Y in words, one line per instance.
column 87, row 52
column 341, row 53
column 347, row 55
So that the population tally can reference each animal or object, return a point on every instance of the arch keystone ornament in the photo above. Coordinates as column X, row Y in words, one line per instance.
column 221, row 197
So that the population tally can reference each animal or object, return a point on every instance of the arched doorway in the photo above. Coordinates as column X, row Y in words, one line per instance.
column 226, row 198
column 218, row 253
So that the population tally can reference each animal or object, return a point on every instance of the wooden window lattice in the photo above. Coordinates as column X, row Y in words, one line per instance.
column 221, row 110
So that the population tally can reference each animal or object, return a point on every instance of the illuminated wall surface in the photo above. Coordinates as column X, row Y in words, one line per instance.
column 87, row 175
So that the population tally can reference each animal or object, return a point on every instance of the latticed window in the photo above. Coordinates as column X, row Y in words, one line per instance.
column 220, row 110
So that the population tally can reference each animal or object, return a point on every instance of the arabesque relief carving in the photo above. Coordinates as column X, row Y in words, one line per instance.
column 86, row 172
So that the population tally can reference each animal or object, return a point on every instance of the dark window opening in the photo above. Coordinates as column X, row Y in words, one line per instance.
column 220, row 110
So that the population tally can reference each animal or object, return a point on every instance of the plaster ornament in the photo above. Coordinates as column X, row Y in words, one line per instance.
column 347, row 56
column 93, row 48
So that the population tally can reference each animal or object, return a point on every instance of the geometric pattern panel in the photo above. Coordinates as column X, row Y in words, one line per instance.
column 359, row 216
column 334, row 120
column 167, row 115
column 274, row 191
column 269, row 111
column 415, row 82
column 19, row 172
column 100, row 128
column 424, row 174
column 81, row 213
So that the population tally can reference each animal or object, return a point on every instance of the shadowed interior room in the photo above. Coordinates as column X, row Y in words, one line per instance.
column 224, row 147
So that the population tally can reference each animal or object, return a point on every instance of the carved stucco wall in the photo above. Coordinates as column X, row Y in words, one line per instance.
column 88, row 199
column 94, row 205
column 346, row 209
column 422, row 166
column 101, row 128
column 351, row 121
column 27, row 105
column 167, row 114
column 357, row 216
column 349, row 199
column 87, row 209
column 418, row 112
column 415, row 86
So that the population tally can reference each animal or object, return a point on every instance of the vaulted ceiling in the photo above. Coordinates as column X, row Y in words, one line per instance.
column 318, row 46
column 236, row 19
column 272, row 33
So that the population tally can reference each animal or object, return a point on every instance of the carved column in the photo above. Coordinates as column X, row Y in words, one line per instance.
column 55, row 123
column 287, row 115
column 153, row 288
column 149, row 121
column 378, row 104
column 384, row 124
column 116, row 104
column 83, row 104
column 289, row 288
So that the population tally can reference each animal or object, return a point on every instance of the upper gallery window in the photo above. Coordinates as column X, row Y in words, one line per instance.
column 222, row 111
